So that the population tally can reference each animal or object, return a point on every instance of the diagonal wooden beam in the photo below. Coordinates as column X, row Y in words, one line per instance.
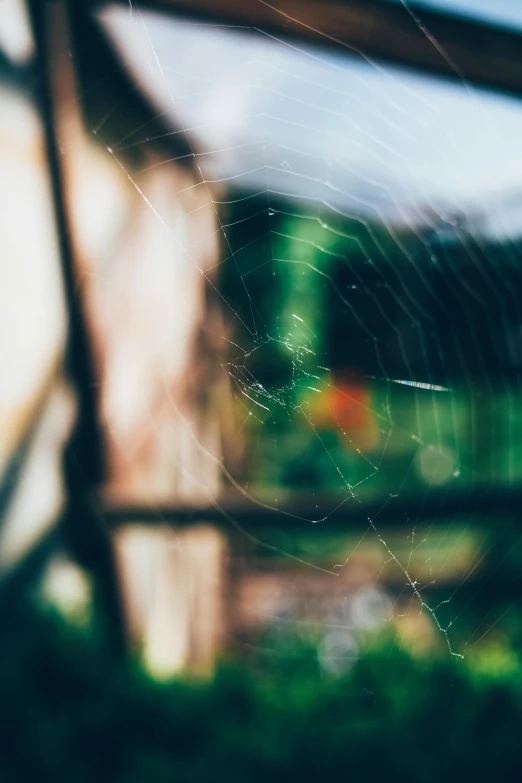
column 429, row 41
column 85, row 536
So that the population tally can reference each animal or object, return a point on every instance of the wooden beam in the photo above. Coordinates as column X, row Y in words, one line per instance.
column 81, row 530
column 328, row 512
column 429, row 41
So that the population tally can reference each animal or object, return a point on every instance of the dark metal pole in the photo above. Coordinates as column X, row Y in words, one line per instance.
column 84, row 463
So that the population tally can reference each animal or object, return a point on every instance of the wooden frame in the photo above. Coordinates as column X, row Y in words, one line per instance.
column 441, row 44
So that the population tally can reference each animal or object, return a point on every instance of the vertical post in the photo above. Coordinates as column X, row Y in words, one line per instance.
column 83, row 529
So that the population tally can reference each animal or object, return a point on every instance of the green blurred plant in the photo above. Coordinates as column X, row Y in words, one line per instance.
column 67, row 713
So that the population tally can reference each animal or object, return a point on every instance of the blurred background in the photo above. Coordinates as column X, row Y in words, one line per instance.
column 261, row 385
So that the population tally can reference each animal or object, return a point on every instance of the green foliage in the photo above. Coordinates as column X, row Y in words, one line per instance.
column 68, row 714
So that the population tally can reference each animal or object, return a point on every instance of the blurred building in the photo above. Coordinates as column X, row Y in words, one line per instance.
column 255, row 277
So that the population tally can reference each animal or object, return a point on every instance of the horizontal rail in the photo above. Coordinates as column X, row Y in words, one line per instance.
column 325, row 511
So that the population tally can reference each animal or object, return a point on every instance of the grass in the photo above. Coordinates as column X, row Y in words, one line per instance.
column 67, row 713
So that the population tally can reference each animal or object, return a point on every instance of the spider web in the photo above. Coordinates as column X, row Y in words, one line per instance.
column 369, row 225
